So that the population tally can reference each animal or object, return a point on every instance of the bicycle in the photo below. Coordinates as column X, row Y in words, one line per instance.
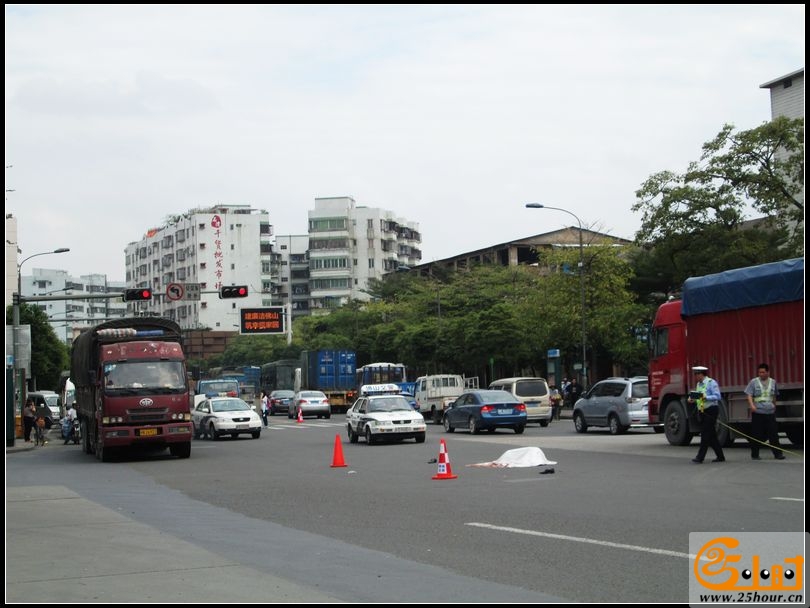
column 39, row 432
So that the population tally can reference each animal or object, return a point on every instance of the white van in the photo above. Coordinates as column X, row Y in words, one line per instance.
column 434, row 393
column 533, row 392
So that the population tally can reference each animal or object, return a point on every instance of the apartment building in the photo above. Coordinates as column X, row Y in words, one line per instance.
column 351, row 244
column 210, row 247
column 293, row 273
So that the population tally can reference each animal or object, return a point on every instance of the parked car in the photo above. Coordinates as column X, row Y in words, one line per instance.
column 48, row 402
column 617, row 403
column 384, row 417
column 219, row 416
column 485, row 409
column 280, row 401
column 532, row 392
column 312, row 403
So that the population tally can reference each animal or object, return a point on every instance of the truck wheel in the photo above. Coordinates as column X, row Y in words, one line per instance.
column 724, row 434
column 197, row 432
column 256, row 434
column 544, row 423
column 579, row 423
column 435, row 415
column 180, row 450
column 328, row 416
column 102, row 454
column 676, row 424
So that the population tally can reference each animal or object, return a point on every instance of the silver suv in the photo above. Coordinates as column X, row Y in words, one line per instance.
column 617, row 403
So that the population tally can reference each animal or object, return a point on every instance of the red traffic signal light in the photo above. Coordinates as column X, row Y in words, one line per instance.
column 134, row 295
column 233, row 291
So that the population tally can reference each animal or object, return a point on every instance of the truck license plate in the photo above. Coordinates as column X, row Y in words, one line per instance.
column 147, row 432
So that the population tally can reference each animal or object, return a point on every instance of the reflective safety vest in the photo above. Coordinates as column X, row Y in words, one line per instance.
column 701, row 388
column 765, row 394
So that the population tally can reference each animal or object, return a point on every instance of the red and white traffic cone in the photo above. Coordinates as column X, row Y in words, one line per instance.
column 300, row 415
column 444, row 472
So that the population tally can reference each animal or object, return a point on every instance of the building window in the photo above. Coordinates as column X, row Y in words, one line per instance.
column 283, row 279
column 283, row 246
column 355, row 261
column 371, row 262
column 201, row 227
column 788, row 83
column 233, row 266
column 370, row 224
column 202, row 265
column 231, row 246
column 203, row 304
column 202, row 245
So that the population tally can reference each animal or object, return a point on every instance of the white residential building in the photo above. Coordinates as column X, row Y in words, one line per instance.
column 350, row 244
column 293, row 277
column 787, row 95
column 211, row 247
column 69, row 317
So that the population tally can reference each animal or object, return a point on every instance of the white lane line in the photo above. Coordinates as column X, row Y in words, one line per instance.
column 578, row 539
column 786, row 498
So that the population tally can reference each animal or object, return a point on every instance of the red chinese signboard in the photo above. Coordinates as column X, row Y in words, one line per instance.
column 269, row 320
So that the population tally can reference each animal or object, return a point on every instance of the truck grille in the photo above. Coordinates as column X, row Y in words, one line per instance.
column 153, row 415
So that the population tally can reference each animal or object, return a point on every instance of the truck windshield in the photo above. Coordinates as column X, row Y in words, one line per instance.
column 144, row 376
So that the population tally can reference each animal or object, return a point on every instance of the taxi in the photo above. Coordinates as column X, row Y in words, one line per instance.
column 383, row 413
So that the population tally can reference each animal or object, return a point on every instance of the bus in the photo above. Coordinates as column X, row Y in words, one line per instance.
column 382, row 373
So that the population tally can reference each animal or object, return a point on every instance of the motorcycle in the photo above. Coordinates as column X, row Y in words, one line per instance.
column 71, row 431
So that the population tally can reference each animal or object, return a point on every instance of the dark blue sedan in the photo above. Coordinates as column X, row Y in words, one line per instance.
column 483, row 409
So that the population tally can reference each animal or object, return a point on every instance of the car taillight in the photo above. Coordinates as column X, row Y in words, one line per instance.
column 231, row 393
column 303, row 401
column 486, row 409
column 521, row 407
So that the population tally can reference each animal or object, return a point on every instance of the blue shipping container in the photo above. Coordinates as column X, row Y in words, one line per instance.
column 329, row 370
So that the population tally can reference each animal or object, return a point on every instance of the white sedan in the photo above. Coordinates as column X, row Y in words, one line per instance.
column 384, row 416
column 219, row 416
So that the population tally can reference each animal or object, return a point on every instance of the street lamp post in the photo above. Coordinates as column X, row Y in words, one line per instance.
column 11, row 408
column 581, row 280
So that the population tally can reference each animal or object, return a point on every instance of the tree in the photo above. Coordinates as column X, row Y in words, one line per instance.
column 49, row 355
column 692, row 222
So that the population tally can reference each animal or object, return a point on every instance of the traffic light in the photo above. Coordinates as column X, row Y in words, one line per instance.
column 233, row 291
column 134, row 295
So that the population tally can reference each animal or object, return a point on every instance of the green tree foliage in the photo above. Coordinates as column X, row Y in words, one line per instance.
column 691, row 222
column 49, row 355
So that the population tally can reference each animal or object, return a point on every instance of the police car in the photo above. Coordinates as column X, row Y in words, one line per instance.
column 382, row 412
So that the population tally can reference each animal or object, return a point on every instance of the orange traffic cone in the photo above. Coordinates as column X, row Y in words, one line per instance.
column 444, row 472
column 300, row 415
column 337, row 455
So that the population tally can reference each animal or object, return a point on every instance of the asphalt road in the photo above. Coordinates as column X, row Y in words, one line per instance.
column 610, row 525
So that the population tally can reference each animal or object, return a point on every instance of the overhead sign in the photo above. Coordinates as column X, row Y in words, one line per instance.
column 553, row 352
column 192, row 291
column 175, row 291
column 268, row 320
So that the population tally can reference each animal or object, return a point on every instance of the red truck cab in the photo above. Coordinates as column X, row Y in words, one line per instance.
column 131, row 387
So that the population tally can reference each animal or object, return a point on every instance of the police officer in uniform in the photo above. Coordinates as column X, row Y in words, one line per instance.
column 761, row 393
column 707, row 400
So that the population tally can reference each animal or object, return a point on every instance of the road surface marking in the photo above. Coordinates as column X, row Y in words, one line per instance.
column 578, row 539
column 786, row 498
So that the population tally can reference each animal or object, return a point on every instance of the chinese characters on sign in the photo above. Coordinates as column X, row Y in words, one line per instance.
column 268, row 320
column 216, row 224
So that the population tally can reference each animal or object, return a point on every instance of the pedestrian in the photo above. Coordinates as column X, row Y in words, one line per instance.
column 29, row 415
column 761, row 393
column 556, row 402
column 574, row 391
column 67, row 423
column 706, row 398
column 265, row 407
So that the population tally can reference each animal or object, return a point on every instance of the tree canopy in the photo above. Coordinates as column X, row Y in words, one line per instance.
column 693, row 223
column 49, row 355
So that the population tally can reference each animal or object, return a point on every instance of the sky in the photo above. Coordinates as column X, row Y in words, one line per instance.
column 451, row 116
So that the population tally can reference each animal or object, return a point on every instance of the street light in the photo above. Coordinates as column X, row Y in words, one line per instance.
column 581, row 279
column 18, row 377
